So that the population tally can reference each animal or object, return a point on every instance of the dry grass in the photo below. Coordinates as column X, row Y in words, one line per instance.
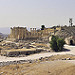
column 12, row 50
column 41, row 68
column 44, row 68
column 37, row 44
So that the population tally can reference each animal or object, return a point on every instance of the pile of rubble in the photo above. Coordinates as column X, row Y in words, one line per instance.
column 41, row 59
column 26, row 46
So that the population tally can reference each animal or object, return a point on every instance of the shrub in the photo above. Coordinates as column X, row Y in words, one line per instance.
column 60, row 44
column 57, row 43
column 42, row 27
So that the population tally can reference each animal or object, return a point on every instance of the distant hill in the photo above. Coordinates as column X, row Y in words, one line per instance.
column 3, row 35
column 0, row 33
column 5, row 30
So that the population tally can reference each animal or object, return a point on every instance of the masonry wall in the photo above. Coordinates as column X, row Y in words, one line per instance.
column 67, row 40
column 22, row 33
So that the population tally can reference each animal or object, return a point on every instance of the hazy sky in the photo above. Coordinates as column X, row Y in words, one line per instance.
column 33, row 13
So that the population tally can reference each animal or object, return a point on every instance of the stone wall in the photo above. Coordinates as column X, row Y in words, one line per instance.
column 14, row 53
column 18, row 32
column 21, row 33
column 70, row 40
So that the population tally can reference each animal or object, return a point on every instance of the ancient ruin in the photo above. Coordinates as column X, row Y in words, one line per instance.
column 68, row 34
column 21, row 33
column 31, row 38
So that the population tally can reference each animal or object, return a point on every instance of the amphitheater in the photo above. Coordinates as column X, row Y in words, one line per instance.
column 67, row 33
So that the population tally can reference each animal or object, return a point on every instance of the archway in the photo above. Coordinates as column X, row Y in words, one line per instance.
column 71, row 42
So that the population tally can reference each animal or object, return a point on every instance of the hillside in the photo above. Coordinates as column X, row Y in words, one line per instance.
column 66, row 32
column 5, row 30
column 3, row 35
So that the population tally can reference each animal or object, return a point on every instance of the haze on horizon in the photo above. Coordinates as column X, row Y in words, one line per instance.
column 34, row 13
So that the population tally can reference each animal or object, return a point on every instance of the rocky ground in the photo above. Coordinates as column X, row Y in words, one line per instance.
column 54, row 65
column 8, row 45
column 49, row 63
column 23, row 48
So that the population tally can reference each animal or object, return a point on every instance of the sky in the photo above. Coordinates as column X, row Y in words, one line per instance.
column 34, row 13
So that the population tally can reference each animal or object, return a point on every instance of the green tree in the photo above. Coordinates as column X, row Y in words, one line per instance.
column 53, row 43
column 60, row 44
column 42, row 27
column 57, row 43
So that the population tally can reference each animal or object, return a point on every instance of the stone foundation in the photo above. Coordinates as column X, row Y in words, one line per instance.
column 19, row 52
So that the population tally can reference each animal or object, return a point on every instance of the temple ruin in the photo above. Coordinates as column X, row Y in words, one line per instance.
column 21, row 33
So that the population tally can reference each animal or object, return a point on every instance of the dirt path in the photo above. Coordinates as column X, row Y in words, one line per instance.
column 37, row 56
column 71, row 48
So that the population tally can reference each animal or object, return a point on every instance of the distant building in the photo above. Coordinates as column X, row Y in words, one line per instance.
column 21, row 33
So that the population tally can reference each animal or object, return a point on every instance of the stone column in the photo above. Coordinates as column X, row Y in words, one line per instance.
column 30, row 29
column 22, row 33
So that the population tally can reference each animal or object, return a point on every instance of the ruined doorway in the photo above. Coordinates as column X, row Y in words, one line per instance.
column 71, row 42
